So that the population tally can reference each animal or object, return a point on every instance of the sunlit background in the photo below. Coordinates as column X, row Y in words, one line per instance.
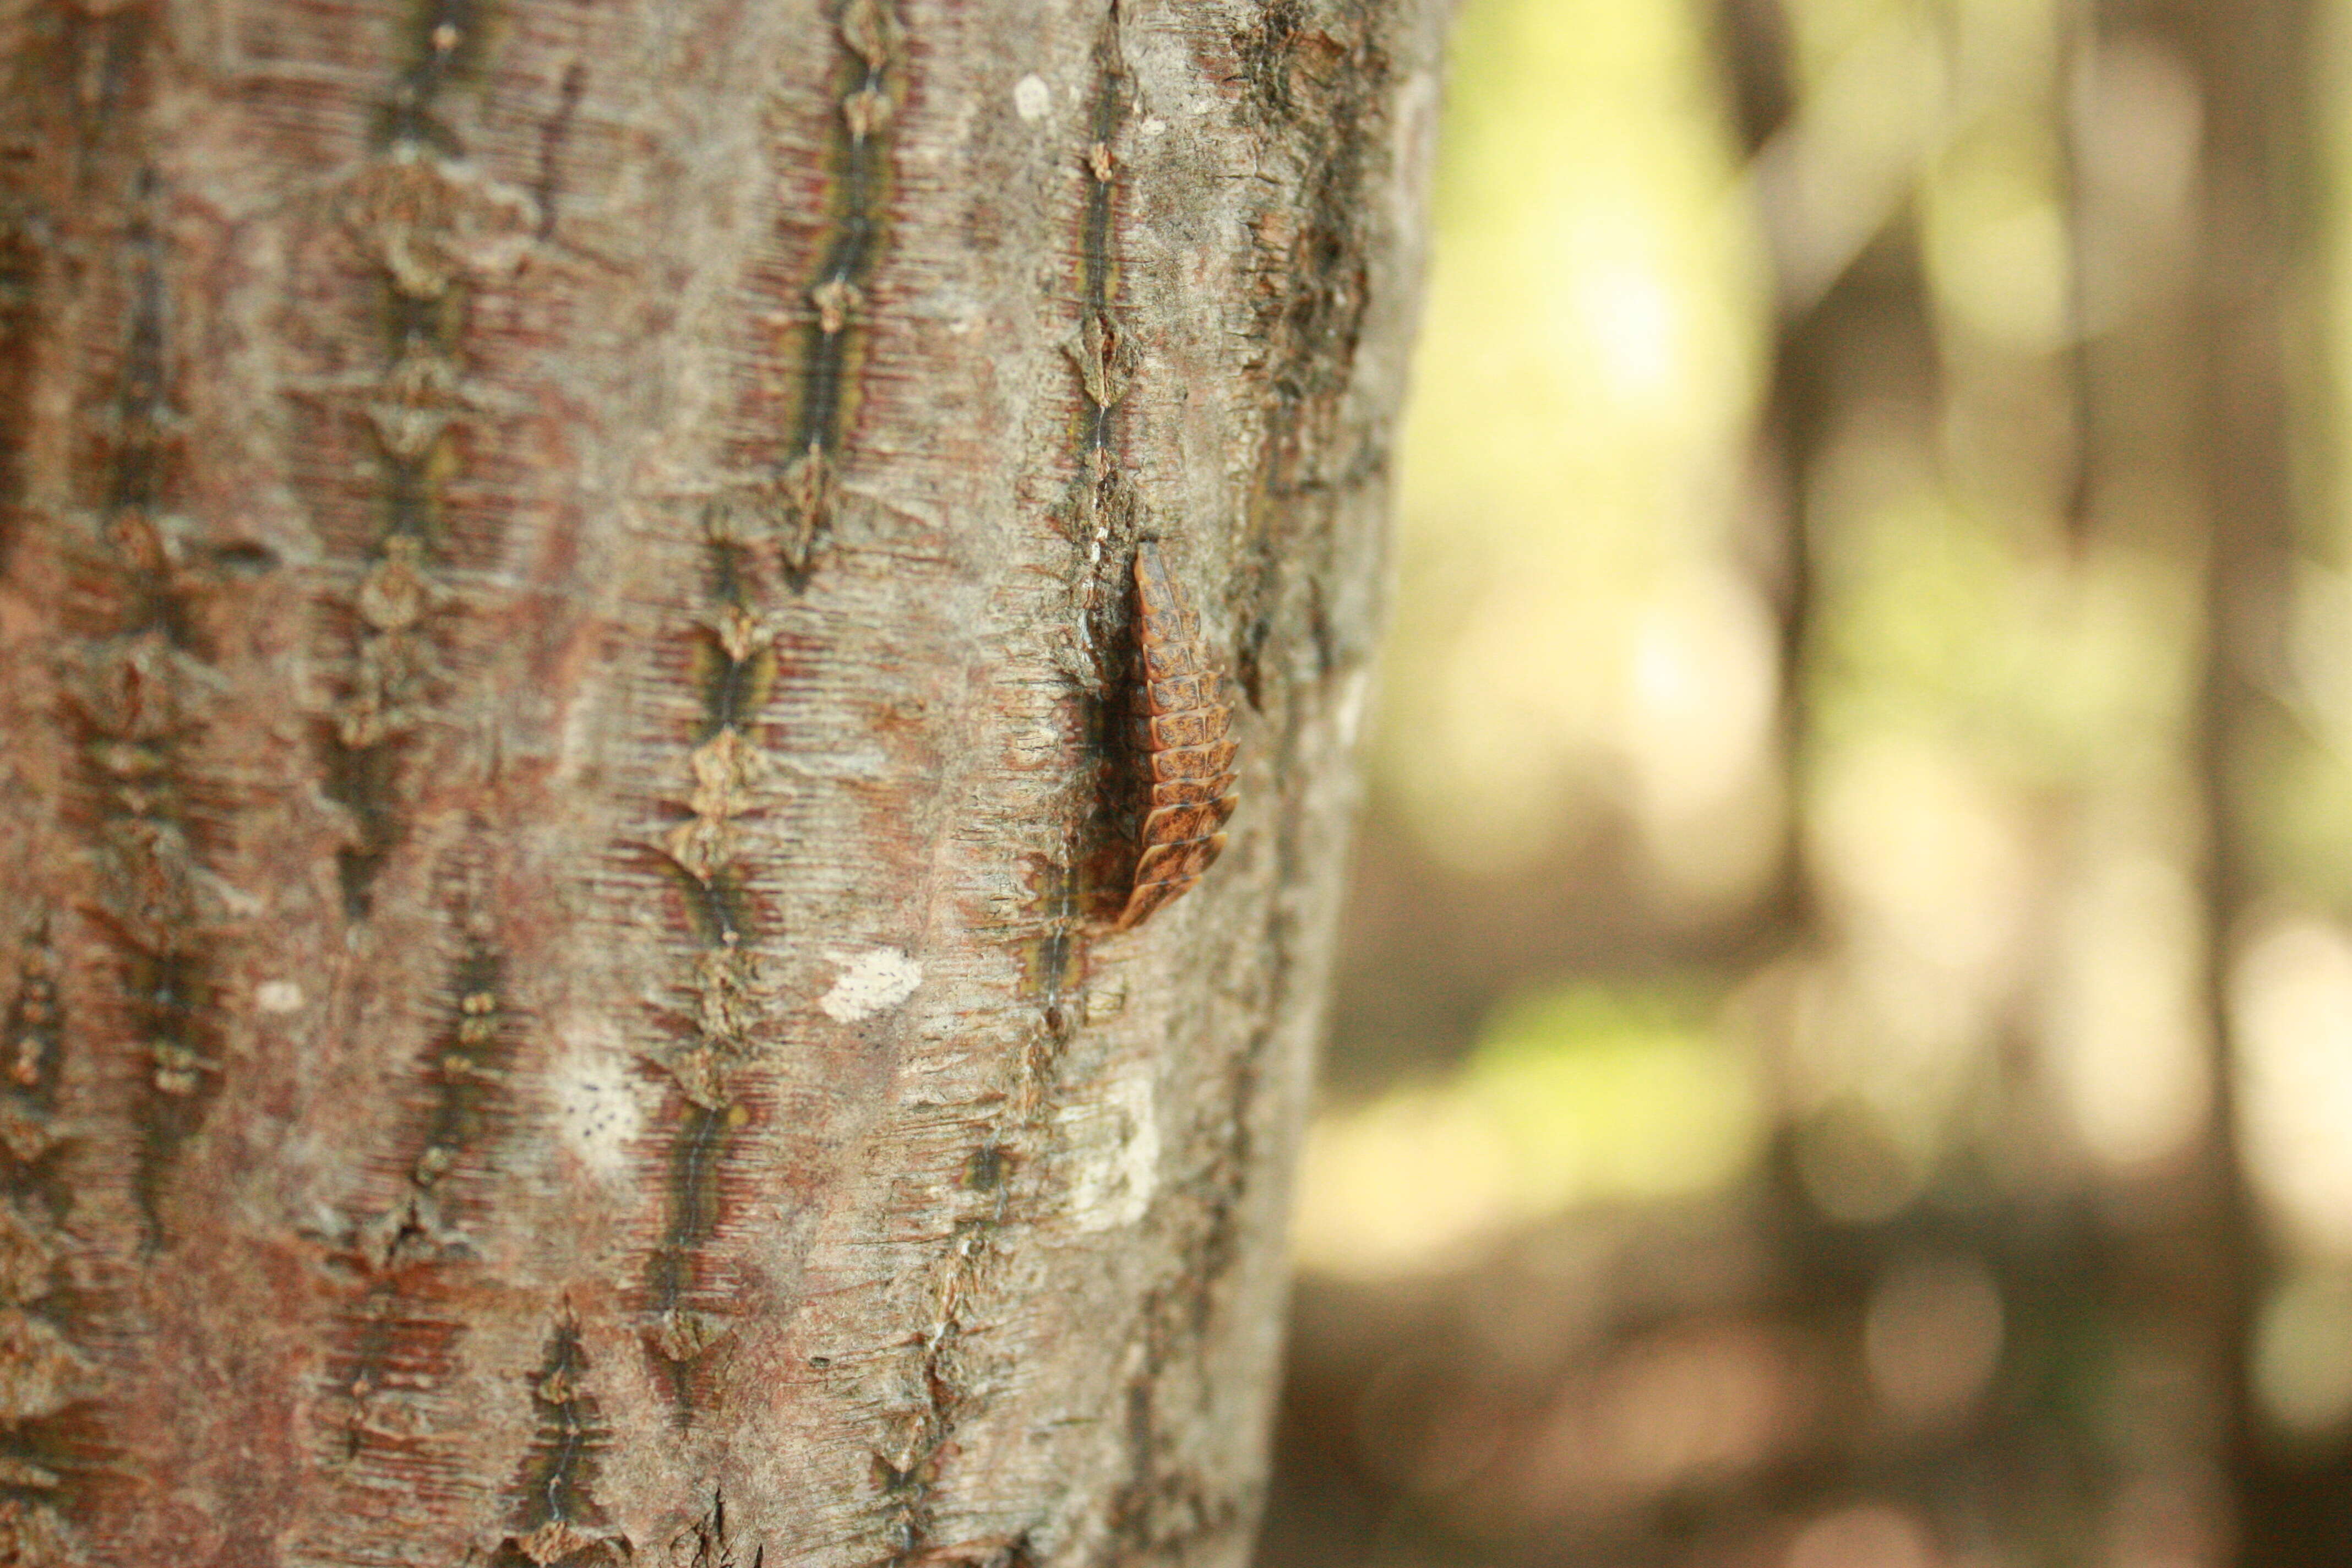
column 1844, row 1051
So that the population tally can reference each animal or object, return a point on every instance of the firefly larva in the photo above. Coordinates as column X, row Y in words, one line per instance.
column 1180, row 723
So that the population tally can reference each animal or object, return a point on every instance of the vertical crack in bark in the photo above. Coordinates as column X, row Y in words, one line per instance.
column 1106, row 516
column 1053, row 955
column 466, row 1065
column 50, row 1452
column 427, row 221
column 757, row 541
column 143, row 799
column 1319, row 87
column 21, row 275
column 1088, row 884
column 909, row 1460
column 395, row 1346
column 907, row 1465
column 733, row 665
column 557, row 1523
column 31, row 1055
column 917, row 1444
column 795, row 507
column 548, row 187
column 134, row 700
column 1105, row 356
column 706, row 1542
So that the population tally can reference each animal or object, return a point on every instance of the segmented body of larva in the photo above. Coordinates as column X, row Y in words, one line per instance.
column 1183, row 748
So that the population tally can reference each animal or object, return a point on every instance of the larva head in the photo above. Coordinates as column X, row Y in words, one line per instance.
column 1167, row 633
column 1156, row 593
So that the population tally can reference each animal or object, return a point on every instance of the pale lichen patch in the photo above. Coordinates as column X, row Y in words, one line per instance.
column 869, row 983
column 596, row 1109
column 1114, row 1149
column 1032, row 99
column 277, row 996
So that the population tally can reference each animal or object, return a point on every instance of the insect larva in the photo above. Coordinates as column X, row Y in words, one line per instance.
column 1180, row 724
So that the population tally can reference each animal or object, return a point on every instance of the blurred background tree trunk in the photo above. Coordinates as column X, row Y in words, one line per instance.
column 1951, row 392
column 560, row 660
column 2260, row 390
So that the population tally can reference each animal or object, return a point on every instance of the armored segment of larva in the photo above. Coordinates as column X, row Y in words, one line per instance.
column 1180, row 724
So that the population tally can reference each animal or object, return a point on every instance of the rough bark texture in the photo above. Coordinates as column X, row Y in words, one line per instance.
column 563, row 659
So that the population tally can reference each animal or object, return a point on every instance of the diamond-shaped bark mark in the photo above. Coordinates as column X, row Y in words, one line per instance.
column 869, row 29
column 1106, row 356
column 429, row 221
column 416, row 402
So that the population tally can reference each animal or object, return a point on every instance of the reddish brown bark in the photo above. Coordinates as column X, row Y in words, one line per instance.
column 559, row 648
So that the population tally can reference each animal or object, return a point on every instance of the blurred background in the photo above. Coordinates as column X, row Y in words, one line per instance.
column 1845, row 1051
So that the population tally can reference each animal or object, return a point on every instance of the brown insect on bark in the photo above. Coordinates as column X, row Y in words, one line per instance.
column 1182, row 749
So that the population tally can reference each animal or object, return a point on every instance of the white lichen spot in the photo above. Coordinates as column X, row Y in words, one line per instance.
column 1151, row 128
column 1031, row 98
column 277, row 996
column 869, row 983
column 1114, row 1150
column 596, row 1108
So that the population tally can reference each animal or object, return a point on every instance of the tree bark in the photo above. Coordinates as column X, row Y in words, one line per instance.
column 2261, row 215
column 565, row 651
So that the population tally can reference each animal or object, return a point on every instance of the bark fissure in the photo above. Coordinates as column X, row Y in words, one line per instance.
column 397, row 1344
column 1106, row 358
column 910, row 1464
column 20, row 287
column 733, row 666
column 707, row 1542
column 426, row 222
column 557, row 1522
column 1053, row 954
column 1052, row 961
column 553, row 136
column 797, row 505
column 49, row 1440
column 909, row 1470
column 135, row 707
column 911, row 1467
column 1106, row 517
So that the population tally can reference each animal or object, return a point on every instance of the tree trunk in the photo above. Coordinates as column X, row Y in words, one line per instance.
column 2261, row 216
column 565, row 663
